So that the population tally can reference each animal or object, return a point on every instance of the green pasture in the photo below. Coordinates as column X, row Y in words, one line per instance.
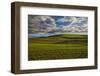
column 67, row 46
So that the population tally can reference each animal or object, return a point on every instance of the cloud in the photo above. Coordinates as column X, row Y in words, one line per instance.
column 73, row 19
column 47, row 24
column 68, row 19
column 41, row 24
column 74, row 29
column 76, row 24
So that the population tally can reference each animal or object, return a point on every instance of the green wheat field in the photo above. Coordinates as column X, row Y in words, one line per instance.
column 67, row 46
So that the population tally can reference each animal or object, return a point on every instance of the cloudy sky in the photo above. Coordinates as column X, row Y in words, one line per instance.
column 53, row 24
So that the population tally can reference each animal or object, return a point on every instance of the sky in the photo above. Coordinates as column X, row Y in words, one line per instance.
column 55, row 24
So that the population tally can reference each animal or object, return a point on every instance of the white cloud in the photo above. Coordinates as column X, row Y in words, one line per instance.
column 75, row 28
column 68, row 19
column 77, row 24
column 41, row 24
column 45, row 24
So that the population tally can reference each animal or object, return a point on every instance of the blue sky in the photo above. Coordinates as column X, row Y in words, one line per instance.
column 45, row 24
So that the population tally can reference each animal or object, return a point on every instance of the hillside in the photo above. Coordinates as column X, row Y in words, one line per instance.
column 67, row 46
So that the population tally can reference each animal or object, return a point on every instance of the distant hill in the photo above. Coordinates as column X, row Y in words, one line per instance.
column 43, row 35
column 40, row 35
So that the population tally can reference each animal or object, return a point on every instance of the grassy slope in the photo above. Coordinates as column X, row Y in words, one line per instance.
column 67, row 46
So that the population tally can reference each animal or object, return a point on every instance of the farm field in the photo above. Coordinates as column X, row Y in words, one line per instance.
column 67, row 46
